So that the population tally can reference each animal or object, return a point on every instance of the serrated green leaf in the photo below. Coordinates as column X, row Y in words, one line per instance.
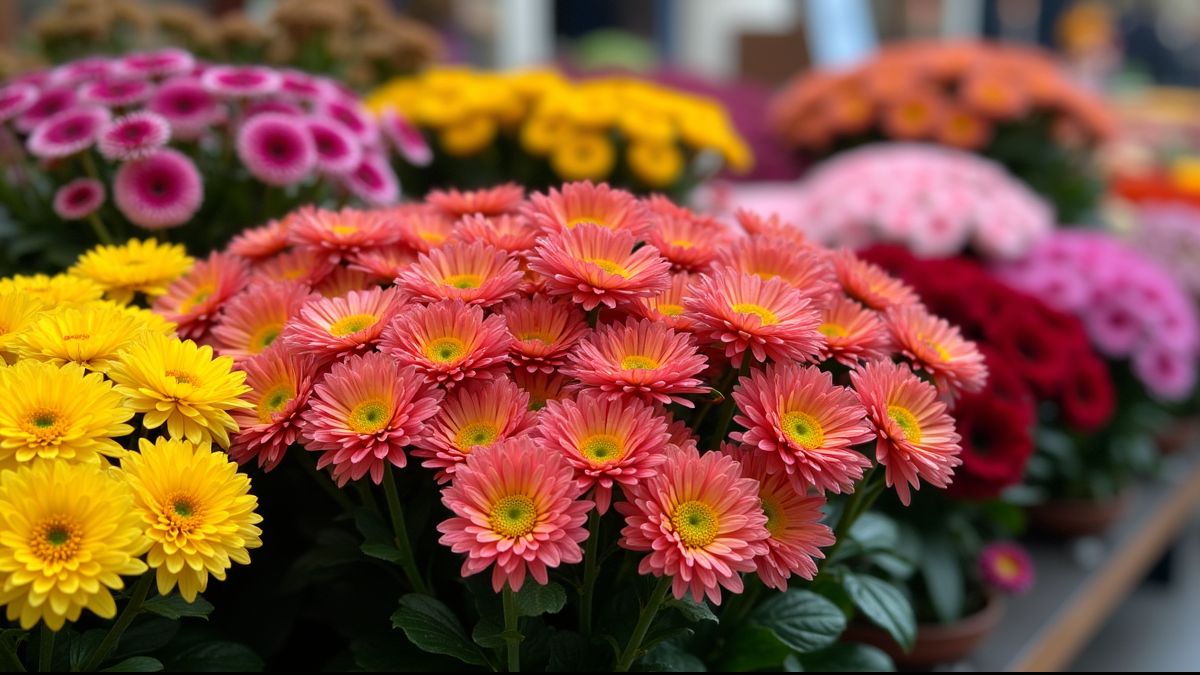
column 884, row 605
column 431, row 625
column 802, row 620
column 536, row 599
column 174, row 607
column 691, row 610
column 135, row 664
column 848, row 658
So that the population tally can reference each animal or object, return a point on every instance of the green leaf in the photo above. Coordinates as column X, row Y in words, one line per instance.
column 488, row 634
column 431, row 625
column 875, row 531
column 883, row 605
column 803, row 620
column 147, row 634
column 752, row 647
column 848, row 658
column 668, row 657
column 536, row 600
column 691, row 610
column 572, row 653
column 943, row 575
column 216, row 657
column 792, row 664
column 174, row 607
column 135, row 664
column 387, row 653
column 386, row 552
column 83, row 646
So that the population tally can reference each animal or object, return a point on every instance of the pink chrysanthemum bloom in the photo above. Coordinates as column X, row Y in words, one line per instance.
column 681, row 435
column 277, row 148
column 331, row 328
column 543, row 331
column 338, row 149
column 514, row 234
column 373, row 180
column 935, row 346
column 805, row 423
column 112, row 93
column 342, row 280
column 308, row 266
column 793, row 521
column 852, row 333
column 406, row 138
column 450, row 342
column 340, row 234
column 194, row 301
column 667, row 306
column 641, row 359
column 364, row 412
column 772, row 226
column 516, row 509
column 78, row 199
column 595, row 266
column 254, row 318
column 700, row 522
column 385, row 263
column 477, row 274
column 494, row 201
column 49, row 102
column 68, row 132
column 608, row 442
column 163, row 190
column 804, row 268
column 293, row 110
column 16, row 98
column 1006, row 567
column 585, row 202
column 158, row 63
column 690, row 243
column 187, row 106
column 543, row 387
column 240, row 81
column 280, row 382
column 422, row 228
column 134, row 136
column 869, row 284
column 473, row 416
column 916, row 435
column 743, row 312
column 348, row 112
column 264, row 241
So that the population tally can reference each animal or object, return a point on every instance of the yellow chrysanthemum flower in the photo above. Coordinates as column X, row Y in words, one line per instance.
column 468, row 136
column 658, row 165
column 54, row 291
column 183, row 385
column 139, row 266
column 587, row 156
column 67, row 531
column 197, row 509
column 58, row 412
column 149, row 320
column 91, row 335
column 18, row 310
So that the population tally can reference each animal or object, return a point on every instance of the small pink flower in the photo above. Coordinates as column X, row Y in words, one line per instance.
column 374, row 181
column 473, row 416
column 280, row 383
column 194, row 301
column 134, row 136
column 78, row 199
column 68, row 132
column 158, row 64
column 116, row 93
column 406, row 138
column 597, row 266
column 332, row 328
column 187, row 106
column 264, row 241
column 49, row 103
column 277, row 148
column 15, row 99
column 543, row 332
column 476, row 273
column 160, row 191
column 350, row 114
column 240, row 81
column 338, row 149
column 1006, row 567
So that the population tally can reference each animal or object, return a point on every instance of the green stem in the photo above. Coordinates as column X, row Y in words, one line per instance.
column 132, row 608
column 593, row 316
column 512, row 633
column 98, row 228
column 591, row 569
column 858, row 503
column 46, row 650
column 367, row 497
column 728, row 406
column 649, row 611
column 407, row 560
column 325, row 482
column 9, row 660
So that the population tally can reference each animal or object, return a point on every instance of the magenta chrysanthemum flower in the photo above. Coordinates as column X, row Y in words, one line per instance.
column 516, row 509
column 240, row 81
column 476, row 273
column 935, row 346
column 68, row 132
column 598, row 266
column 641, row 359
column 340, row 234
column 277, row 148
column 187, row 106
column 49, row 103
column 350, row 114
column 585, row 202
column 806, row 425
column 82, row 71
column 406, row 138
column 78, row 199
column 259, row 243
column 116, row 93
column 608, row 442
column 514, row 234
column 500, row 200
column 338, row 150
column 385, row 263
column 194, row 301
column 134, row 136
column 449, row 341
column 15, row 99
column 1006, row 567
column 160, row 191
column 364, row 412
column 254, row 318
column 473, row 416
column 770, row 319
column 280, row 382
column 374, row 181
column 158, row 64
column 543, row 331
column 331, row 328
column 699, row 522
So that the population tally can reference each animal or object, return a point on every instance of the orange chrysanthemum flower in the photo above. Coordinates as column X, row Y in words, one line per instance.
column 852, row 333
column 938, row 348
column 691, row 243
column 449, row 341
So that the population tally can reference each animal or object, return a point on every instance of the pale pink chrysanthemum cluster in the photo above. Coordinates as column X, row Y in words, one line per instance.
column 1169, row 233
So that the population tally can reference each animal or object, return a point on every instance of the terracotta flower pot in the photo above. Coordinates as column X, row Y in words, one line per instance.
column 1077, row 517
column 936, row 643
column 1179, row 435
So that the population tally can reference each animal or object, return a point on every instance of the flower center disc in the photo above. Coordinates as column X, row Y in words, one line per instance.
column 55, row 539
column 832, row 330
column 265, row 337
column 369, row 417
column 610, row 267
column 348, row 325
column 638, row 363
column 667, row 309
column 476, row 434
column 602, row 448
column 765, row 316
column 802, row 429
column 696, row 523
column 513, row 516
column 445, row 350
column 463, row 281
column 775, row 519
column 907, row 422
column 274, row 400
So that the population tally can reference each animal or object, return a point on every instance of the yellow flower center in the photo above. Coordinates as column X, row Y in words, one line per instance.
column 274, row 400
column 431, row 237
column 264, row 337
column 55, row 539
column 765, row 316
column 942, row 353
column 696, row 523
column 343, row 230
column 915, row 112
column 776, row 522
column 1007, row 567
column 667, row 309
column 203, row 293
column 907, row 422
column 369, row 417
column 476, row 434
column 513, row 516
column 602, row 448
column 537, row 335
column 184, row 377
column 682, row 243
column 445, row 350
column 181, row 514
column 348, row 325
column 463, row 281
column 833, row 330
column 610, row 267
column 44, row 424
column 590, row 220
column 638, row 363
column 802, row 429
column 294, row 273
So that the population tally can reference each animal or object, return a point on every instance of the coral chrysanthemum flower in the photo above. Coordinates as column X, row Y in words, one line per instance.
column 386, row 263
column 700, row 522
column 261, row 242
column 330, row 328
column 138, row 266
column 197, row 511
column 517, row 510
column 667, row 306
column 869, row 284
column 53, row 412
column 194, row 301
column 54, row 291
column 306, row 266
column 477, row 274
column 543, row 387
column 182, row 385
column 608, row 442
column 421, row 227
column 773, row 227
column 449, row 342
column 642, row 359
column 280, row 382
column 18, row 311
column 793, row 521
column 340, row 234
column 343, row 280
column 494, row 201
column 90, row 335
column 256, row 317
column 743, row 312
column 806, row 423
column 916, row 435
column 364, row 412
column 597, row 266
column 473, row 416
column 691, row 243
column 938, row 348
column 585, row 202
column 804, row 268
column 67, row 533
column 543, row 331
column 514, row 234
column 852, row 332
